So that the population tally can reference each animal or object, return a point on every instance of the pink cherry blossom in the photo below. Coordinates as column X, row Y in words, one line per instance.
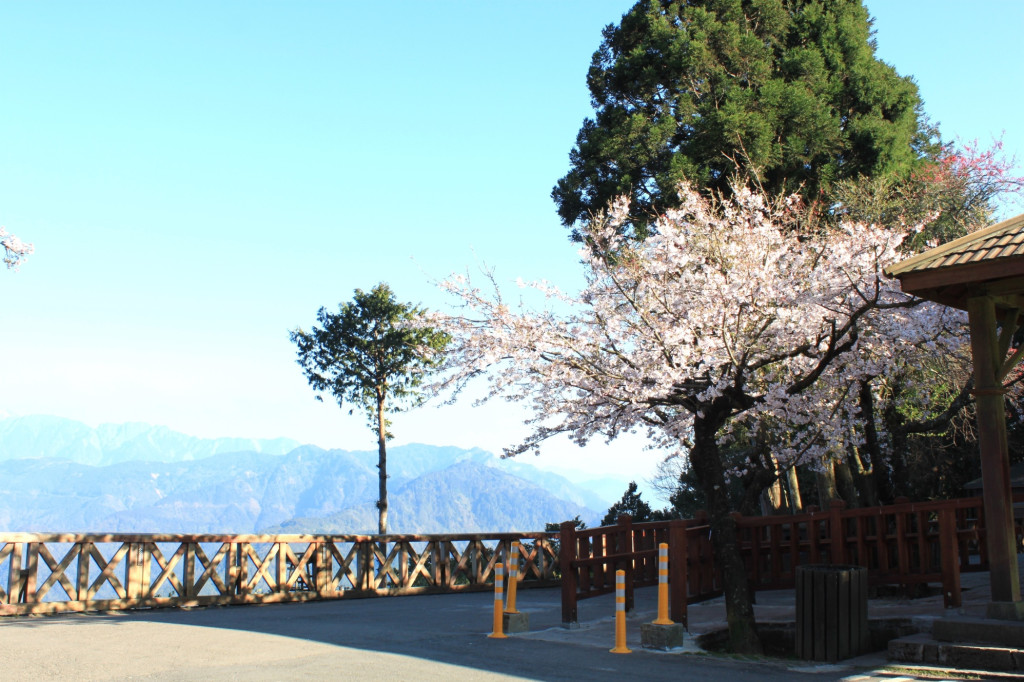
column 732, row 305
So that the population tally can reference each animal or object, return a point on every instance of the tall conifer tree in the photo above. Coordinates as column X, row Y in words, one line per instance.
column 788, row 93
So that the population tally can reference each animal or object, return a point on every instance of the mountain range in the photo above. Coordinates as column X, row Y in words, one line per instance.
column 61, row 475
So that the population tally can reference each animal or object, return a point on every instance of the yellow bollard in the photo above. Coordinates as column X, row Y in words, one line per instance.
column 513, row 578
column 620, row 614
column 663, row 618
column 499, row 596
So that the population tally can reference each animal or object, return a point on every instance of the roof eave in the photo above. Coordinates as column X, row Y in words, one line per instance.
column 914, row 263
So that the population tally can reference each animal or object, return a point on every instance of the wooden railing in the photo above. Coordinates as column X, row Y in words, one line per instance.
column 903, row 544
column 589, row 558
column 48, row 573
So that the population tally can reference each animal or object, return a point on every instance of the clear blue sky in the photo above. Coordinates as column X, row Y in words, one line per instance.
column 199, row 177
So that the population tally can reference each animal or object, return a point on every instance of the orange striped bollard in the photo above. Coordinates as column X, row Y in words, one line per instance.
column 620, row 614
column 663, row 618
column 513, row 579
column 499, row 597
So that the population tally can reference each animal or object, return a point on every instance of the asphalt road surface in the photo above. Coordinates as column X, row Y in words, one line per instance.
column 439, row 637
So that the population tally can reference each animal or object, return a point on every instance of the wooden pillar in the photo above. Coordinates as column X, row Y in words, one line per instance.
column 949, row 558
column 566, row 557
column 995, row 466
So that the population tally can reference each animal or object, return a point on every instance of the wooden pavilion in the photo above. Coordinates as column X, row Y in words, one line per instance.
column 983, row 273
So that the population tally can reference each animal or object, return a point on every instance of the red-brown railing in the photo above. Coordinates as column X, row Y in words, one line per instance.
column 902, row 544
column 589, row 558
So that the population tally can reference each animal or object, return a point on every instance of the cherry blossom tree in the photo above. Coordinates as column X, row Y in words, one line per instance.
column 15, row 250
column 732, row 310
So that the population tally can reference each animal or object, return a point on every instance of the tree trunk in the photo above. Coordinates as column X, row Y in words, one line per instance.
column 382, row 468
column 707, row 464
column 772, row 500
column 879, row 468
column 844, row 483
column 863, row 479
column 796, row 501
column 826, row 480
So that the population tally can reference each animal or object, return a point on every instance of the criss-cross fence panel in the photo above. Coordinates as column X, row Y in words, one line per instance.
column 49, row 573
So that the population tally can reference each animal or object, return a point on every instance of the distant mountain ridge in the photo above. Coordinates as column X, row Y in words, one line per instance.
column 38, row 436
column 137, row 478
column 468, row 497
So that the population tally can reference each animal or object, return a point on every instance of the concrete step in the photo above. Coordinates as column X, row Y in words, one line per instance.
column 1004, row 633
column 925, row 649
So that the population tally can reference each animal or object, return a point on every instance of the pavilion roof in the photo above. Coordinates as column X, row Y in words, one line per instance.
column 989, row 260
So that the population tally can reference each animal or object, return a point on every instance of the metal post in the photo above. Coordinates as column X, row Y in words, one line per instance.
column 499, row 597
column 663, row 618
column 620, row 614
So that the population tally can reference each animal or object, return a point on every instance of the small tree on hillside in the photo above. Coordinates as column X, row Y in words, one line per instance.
column 374, row 353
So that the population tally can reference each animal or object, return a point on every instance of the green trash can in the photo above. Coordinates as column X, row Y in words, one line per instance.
column 831, row 612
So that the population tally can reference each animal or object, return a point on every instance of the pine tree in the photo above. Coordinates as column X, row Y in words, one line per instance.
column 631, row 504
column 374, row 353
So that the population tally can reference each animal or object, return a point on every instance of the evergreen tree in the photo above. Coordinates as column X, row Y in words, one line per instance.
column 788, row 93
column 374, row 353
column 630, row 504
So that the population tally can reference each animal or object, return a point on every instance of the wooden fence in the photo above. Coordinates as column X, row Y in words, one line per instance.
column 903, row 544
column 49, row 573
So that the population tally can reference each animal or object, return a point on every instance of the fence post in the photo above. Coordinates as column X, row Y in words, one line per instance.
column 367, row 562
column 837, row 536
column 145, row 574
column 323, row 568
column 132, row 588
column 82, row 579
column 949, row 556
column 189, row 571
column 677, row 573
column 624, row 545
column 234, row 567
column 566, row 559
column 281, row 566
column 14, row 580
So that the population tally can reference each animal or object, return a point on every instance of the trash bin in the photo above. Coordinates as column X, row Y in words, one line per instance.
column 831, row 612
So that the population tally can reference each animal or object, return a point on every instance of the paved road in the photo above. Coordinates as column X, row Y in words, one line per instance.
column 441, row 637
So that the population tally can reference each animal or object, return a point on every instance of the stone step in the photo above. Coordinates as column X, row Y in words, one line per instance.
column 925, row 649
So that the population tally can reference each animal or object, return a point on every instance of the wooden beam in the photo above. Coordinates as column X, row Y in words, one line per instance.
column 1008, row 327
column 1005, row 286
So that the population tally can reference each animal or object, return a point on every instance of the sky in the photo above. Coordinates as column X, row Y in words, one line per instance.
column 199, row 178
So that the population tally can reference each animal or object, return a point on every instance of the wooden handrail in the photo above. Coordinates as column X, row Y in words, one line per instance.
column 53, row 572
column 909, row 543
